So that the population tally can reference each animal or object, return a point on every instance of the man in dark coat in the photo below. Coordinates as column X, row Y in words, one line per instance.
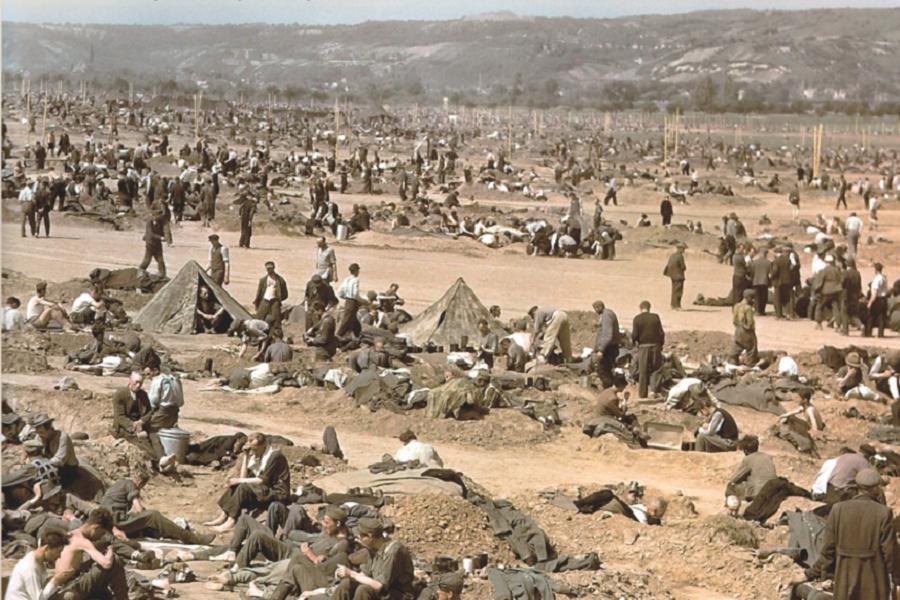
column 782, row 282
column 648, row 335
column 247, row 212
column 153, row 248
column 739, row 280
column 130, row 405
column 760, row 269
column 852, row 290
column 675, row 269
column 606, row 348
column 859, row 547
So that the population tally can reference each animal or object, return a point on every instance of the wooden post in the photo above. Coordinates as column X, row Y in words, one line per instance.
column 337, row 118
column 665, row 139
column 677, row 123
column 44, row 122
column 509, row 133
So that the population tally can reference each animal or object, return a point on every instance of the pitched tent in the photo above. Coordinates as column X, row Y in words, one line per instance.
column 173, row 308
column 443, row 323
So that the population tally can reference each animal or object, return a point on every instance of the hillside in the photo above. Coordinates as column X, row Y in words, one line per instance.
column 823, row 49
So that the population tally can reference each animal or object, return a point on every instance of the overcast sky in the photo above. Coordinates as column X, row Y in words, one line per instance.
column 322, row 12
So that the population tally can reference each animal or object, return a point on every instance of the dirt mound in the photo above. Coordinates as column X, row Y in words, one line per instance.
column 74, row 410
column 698, row 344
column 666, row 239
column 438, row 525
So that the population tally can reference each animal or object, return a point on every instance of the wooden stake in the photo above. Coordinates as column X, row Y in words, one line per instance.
column 44, row 122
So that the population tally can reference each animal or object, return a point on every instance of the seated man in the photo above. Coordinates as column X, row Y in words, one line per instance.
column 103, row 576
column 373, row 357
column 312, row 564
column 755, row 470
column 278, row 351
column 885, row 374
column 834, row 481
column 58, row 449
column 413, row 449
column 852, row 379
column 210, row 313
column 29, row 576
column 130, row 405
column 487, row 345
column 13, row 320
column 86, row 308
column 719, row 433
column 40, row 311
column 388, row 574
column 123, row 500
column 516, row 358
column 265, row 477
column 322, row 336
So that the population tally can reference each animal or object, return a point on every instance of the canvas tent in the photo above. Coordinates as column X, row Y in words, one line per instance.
column 173, row 308
column 455, row 315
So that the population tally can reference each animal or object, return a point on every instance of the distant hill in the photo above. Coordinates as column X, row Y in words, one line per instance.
column 833, row 52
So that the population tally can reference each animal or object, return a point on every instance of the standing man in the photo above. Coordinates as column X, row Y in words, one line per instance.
column 760, row 268
column 860, row 545
column 270, row 293
column 247, row 211
column 739, row 279
column 43, row 204
column 665, row 211
column 852, row 290
column 782, row 282
column 675, row 270
column 842, row 193
column 853, row 226
column 647, row 333
column 219, row 264
column 878, row 295
column 606, row 348
column 326, row 261
column 26, row 202
column 744, row 330
column 829, row 290
column 154, row 235
column 349, row 293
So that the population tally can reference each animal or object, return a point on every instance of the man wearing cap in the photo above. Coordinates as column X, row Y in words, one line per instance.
column 246, row 212
column 675, row 269
column 13, row 425
column 313, row 565
column 321, row 335
column 29, row 214
column 719, row 433
column 326, row 261
column 878, row 297
column 219, row 264
column 154, row 234
column 744, row 329
column 829, row 285
column 318, row 290
column 388, row 574
column 760, row 271
column 58, row 448
column 853, row 377
column 860, row 545
column 271, row 292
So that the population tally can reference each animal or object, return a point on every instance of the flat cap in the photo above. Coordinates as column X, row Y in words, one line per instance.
column 868, row 478
column 336, row 513
column 370, row 526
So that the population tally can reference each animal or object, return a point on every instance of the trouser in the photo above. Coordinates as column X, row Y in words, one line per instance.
column 610, row 195
column 557, row 333
column 842, row 199
column 153, row 524
column 783, row 301
column 762, row 298
column 738, row 285
column 243, row 528
column 218, row 275
column 709, row 442
column 649, row 360
column 304, row 575
column 677, row 292
column 852, row 244
column 246, row 232
column 606, row 364
column 877, row 317
column 95, row 582
column 154, row 253
column 263, row 542
column 349, row 323
column 43, row 216
column 862, row 392
column 289, row 519
column 769, row 499
column 666, row 220
column 831, row 301
column 239, row 498
column 744, row 341
column 28, row 215
column 806, row 591
column 269, row 311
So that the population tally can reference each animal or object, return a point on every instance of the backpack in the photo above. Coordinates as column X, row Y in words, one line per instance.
column 171, row 389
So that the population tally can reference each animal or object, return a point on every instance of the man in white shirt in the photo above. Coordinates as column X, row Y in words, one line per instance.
column 85, row 308
column 12, row 316
column 787, row 366
column 416, row 450
column 854, row 227
column 40, row 311
column 26, row 201
column 349, row 293
column 326, row 261
column 29, row 576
